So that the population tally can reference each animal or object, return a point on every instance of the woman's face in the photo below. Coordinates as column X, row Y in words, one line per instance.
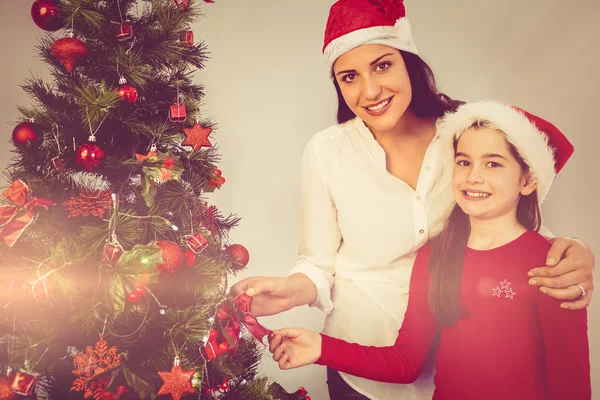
column 487, row 179
column 374, row 83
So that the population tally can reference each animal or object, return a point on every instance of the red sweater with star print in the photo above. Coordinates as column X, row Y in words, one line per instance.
column 513, row 342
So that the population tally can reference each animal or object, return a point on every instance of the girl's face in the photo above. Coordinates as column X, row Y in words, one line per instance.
column 374, row 83
column 487, row 180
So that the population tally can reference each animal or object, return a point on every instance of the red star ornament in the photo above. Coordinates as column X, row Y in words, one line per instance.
column 197, row 137
column 177, row 382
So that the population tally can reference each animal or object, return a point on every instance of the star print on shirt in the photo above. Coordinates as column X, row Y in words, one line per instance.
column 504, row 288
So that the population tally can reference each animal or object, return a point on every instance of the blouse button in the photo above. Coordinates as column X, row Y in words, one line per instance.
column 418, row 198
column 421, row 231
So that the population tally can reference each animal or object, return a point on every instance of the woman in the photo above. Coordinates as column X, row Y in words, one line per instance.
column 374, row 191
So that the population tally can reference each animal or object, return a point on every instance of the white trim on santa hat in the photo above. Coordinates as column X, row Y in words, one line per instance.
column 398, row 36
column 531, row 143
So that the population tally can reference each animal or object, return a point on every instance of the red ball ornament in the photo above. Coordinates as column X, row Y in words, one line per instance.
column 89, row 155
column 69, row 52
column 223, row 346
column 224, row 385
column 134, row 296
column 141, row 290
column 128, row 93
column 25, row 134
column 45, row 14
column 239, row 254
column 213, row 335
column 172, row 256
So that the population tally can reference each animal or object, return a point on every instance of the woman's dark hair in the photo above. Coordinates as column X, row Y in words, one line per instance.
column 448, row 251
column 426, row 101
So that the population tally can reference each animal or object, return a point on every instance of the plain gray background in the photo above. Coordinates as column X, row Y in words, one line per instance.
column 269, row 92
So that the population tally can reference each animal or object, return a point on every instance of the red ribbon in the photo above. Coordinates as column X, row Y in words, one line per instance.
column 14, row 219
column 242, row 304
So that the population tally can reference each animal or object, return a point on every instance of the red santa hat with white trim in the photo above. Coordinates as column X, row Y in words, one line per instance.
column 542, row 145
column 352, row 23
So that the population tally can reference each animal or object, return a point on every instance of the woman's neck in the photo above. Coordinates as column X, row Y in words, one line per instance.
column 408, row 129
column 488, row 234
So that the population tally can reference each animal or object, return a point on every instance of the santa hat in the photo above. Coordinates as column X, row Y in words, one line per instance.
column 540, row 144
column 352, row 23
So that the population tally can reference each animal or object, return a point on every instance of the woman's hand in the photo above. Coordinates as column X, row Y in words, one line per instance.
column 273, row 295
column 295, row 347
column 569, row 272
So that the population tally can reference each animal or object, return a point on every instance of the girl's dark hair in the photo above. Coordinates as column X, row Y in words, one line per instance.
column 426, row 101
column 448, row 251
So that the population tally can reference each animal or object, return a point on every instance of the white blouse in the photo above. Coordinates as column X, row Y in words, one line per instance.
column 361, row 228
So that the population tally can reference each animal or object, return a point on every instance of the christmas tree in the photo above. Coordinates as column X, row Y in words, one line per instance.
column 113, row 262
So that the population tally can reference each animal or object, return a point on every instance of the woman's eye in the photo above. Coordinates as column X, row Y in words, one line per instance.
column 462, row 163
column 348, row 78
column 493, row 164
column 383, row 66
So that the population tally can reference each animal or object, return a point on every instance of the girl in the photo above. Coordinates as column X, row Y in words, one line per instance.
column 374, row 190
column 499, row 337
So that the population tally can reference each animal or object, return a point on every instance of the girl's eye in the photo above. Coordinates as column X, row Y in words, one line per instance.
column 493, row 164
column 383, row 66
column 463, row 163
column 348, row 78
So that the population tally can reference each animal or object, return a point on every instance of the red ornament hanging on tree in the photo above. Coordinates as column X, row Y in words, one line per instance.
column 45, row 14
column 26, row 133
column 181, row 4
column 177, row 382
column 239, row 255
column 172, row 256
column 177, row 112
column 127, row 92
column 89, row 155
column 69, row 52
column 196, row 243
column 186, row 38
column 197, row 137
column 125, row 32
column 23, row 384
column 217, row 180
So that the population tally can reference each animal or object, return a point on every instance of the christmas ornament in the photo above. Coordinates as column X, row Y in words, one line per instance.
column 239, row 255
column 224, row 385
column 15, row 218
column 128, row 93
column 177, row 112
column 59, row 164
column 177, row 382
column 89, row 155
column 196, row 243
column 197, row 137
column 89, row 364
column 186, row 38
column 217, row 179
column 190, row 258
column 26, row 133
column 181, row 4
column 45, row 14
column 23, row 384
column 89, row 202
column 5, row 392
column 213, row 335
column 125, row 32
column 69, row 52
column 209, row 1
column 172, row 256
column 223, row 346
column 111, row 252
column 133, row 296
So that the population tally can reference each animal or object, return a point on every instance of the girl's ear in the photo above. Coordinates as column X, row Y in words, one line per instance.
column 529, row 184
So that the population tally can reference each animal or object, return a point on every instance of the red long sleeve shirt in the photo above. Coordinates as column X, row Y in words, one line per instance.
column 513, row 342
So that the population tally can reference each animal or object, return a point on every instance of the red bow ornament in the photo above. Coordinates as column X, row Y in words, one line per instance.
column 14, row 219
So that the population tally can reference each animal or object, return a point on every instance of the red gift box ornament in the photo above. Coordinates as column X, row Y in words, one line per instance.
column 196, row 243
column 125, row 32
column 23, row 384
column 177, row 112
column 186, row 38
column 111, row 252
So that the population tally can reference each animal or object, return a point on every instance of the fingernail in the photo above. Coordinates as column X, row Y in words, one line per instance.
column 543, row 290
column 566, row 307
column 250, row 292
column 530, row 273
column 550, row 261
column 532, row 282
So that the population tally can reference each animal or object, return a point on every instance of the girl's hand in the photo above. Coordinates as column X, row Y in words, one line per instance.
column 295, row 347
column 569, row 264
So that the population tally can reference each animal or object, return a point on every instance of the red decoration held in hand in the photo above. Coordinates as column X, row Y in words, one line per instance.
column 69, row 52
column 125, row 32
column 45, row 14
column 26, row 133
column 89, row 155
column 23, row 384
